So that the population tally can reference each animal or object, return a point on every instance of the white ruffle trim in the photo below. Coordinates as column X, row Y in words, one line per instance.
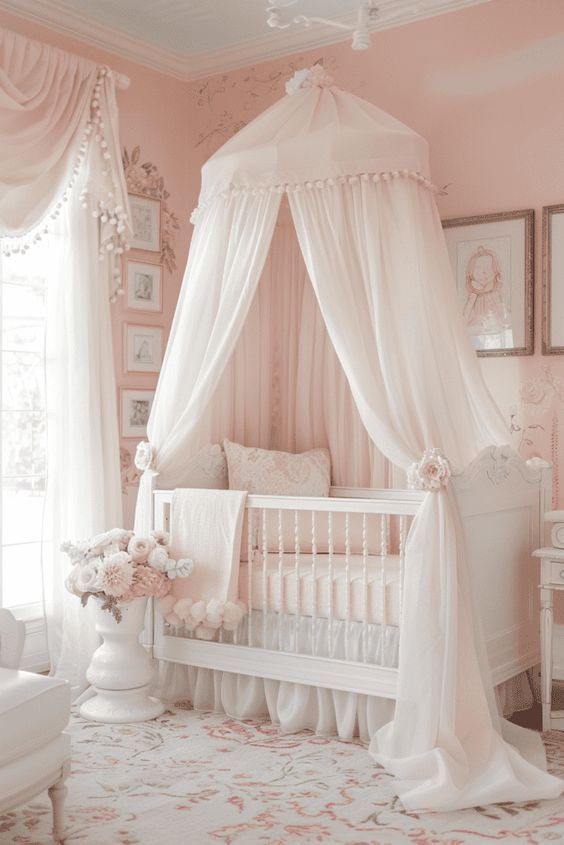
column 112, row 216
column 285, row 188
column 203, row 618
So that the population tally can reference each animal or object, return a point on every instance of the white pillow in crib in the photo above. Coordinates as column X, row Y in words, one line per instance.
column 278, row 473
column 207, row 469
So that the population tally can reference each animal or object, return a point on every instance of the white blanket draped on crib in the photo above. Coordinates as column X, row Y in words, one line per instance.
column 206, row 527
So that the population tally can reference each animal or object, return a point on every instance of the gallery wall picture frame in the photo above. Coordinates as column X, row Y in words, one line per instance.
column 135, row 408
column 492, row 258
column 145, row 222
column 142, row 348
column 144, row 285
column 553, row 280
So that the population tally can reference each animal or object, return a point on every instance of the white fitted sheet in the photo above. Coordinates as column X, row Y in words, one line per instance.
column 283, row 589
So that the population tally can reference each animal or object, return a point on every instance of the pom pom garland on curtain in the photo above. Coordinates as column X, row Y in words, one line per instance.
column 59, row 116
column 374, row 249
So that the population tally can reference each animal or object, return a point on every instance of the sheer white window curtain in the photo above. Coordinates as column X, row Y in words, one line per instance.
column 61, row 176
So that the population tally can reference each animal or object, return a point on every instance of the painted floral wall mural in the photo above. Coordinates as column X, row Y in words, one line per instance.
column 143, row 178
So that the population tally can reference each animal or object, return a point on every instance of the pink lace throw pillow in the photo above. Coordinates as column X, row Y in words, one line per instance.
column 278, row 473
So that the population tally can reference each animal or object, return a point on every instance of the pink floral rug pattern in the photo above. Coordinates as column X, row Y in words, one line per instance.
column 191, row 779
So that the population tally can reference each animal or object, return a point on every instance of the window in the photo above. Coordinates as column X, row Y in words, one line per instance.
column 23, row 421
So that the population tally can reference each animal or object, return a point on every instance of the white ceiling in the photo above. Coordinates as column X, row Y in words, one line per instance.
column 194, row 38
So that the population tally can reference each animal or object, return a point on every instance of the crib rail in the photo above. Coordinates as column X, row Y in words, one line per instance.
column 322, row 579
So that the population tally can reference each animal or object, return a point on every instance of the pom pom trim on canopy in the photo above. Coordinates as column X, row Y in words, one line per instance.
column 386, row 176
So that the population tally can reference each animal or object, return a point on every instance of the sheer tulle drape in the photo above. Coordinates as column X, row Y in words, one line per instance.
column 61, row 176
column 84, row 485
column 376, row 257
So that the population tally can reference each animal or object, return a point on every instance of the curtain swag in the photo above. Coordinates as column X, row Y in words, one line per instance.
column 59, row 118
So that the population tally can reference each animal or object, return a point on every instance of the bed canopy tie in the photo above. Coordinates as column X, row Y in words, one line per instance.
column 431, row 473
column 373, row 247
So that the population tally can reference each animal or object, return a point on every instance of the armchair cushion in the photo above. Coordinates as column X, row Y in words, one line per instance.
column 34, row 710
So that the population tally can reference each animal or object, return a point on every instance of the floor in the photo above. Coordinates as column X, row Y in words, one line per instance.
column 190, row 778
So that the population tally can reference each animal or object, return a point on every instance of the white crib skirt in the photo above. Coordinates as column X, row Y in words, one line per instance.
column 295, row 707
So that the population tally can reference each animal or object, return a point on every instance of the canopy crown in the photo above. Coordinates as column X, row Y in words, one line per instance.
column 316, row 132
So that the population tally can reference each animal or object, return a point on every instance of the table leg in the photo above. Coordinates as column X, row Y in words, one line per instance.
column 546, row 619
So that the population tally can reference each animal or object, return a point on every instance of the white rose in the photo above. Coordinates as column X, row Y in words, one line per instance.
column 87, row 578
column 140, row 548
column 158, row 558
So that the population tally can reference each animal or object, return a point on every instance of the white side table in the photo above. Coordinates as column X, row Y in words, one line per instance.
column 551, row 579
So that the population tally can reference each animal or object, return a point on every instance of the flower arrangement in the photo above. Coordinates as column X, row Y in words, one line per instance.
column 117, row 567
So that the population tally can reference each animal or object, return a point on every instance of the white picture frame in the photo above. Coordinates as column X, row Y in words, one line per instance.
column 135, row 407
column 492, row 262
column 144, row 286
column 145, row 222
column 142, row 348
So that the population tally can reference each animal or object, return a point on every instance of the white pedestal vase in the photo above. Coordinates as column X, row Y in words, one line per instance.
column 121, row 670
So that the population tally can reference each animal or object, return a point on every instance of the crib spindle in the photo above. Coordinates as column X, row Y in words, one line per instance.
column 313, row 583
column 365, row 590
column 347, row 583
column 250, row 526
column 297, row 579
column 282, row 598
column 264, row 577
column 402, row 538
column 330, row 570
column 384, row 534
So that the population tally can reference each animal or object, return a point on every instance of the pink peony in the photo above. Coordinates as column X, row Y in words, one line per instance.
column 162, row 538
column 116, row 574
column 149, row 582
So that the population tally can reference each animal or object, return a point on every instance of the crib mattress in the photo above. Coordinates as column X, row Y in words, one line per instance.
column 274, row 587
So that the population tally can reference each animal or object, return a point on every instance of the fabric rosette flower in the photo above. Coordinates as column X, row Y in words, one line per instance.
column 144, row 455
column 431, row 473
column 140, row 548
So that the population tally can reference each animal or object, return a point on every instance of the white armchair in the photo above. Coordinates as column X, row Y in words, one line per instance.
column 34, row 710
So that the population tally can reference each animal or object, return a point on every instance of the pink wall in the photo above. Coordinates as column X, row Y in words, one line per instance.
column 483, row 85
column 153, row 115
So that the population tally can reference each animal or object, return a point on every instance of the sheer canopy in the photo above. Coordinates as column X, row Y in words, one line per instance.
column 371, row 238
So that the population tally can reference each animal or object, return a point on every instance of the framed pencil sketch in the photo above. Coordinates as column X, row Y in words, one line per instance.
column 145, row 222
column 135, row 410
column 144, row 286
column 142, row 348
column 492, row 261
column 553, row 280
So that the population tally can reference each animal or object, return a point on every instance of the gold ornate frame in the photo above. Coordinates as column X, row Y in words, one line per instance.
column 547, row 212
column 528, row 216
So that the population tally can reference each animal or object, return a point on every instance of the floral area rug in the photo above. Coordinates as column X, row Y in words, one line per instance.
column 191, row 778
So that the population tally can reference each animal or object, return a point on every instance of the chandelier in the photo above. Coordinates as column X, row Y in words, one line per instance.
column 367, row 14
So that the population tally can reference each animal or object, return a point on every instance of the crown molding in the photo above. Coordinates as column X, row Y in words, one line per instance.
column 187, row 67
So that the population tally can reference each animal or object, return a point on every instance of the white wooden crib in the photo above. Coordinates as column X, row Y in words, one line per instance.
column 323, row 579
